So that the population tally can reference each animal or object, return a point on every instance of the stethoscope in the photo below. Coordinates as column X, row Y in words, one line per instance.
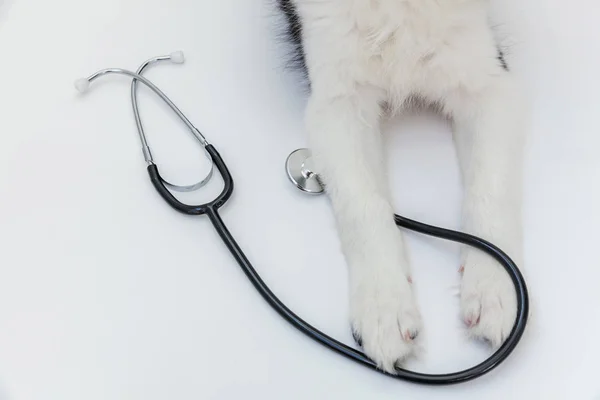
column 300, row 171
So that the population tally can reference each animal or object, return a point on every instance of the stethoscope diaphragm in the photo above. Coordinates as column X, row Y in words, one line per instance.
column 300, row 170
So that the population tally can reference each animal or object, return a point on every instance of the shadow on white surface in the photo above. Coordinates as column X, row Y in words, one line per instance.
column 106, row 293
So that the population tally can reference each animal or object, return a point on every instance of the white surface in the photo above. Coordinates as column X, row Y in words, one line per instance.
column 106, row 293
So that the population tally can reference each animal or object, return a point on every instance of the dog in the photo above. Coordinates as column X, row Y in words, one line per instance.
column 365, row 59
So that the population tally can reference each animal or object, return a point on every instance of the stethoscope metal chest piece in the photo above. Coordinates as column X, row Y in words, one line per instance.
column 301, row 171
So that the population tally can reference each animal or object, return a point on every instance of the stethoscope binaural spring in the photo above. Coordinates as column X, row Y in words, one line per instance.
column 301, row 172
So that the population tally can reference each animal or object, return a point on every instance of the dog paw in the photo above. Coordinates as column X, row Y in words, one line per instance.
column 488, row 299
column 386, row 321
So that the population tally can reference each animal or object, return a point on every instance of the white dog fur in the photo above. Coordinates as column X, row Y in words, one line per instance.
column 364, row 58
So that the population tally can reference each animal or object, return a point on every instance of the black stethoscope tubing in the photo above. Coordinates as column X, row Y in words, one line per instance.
column 211, row 210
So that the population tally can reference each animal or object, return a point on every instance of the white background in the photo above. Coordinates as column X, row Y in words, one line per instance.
column 107, row 293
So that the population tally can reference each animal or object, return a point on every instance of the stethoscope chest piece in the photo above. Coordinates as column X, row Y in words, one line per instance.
column 300, row 170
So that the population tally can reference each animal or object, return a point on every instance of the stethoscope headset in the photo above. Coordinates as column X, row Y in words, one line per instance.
column 299, row 170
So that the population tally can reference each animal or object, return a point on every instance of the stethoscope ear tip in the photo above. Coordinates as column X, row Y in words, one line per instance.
column 82, row 85
column 177, row 57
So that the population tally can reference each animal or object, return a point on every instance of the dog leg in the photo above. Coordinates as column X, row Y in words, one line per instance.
column 489, row 135
column 347, row 145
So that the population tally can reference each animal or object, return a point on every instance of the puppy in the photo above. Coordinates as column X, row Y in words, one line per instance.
column 364, row 57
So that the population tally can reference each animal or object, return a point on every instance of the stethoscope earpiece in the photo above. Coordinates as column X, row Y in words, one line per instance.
column 176, row 57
